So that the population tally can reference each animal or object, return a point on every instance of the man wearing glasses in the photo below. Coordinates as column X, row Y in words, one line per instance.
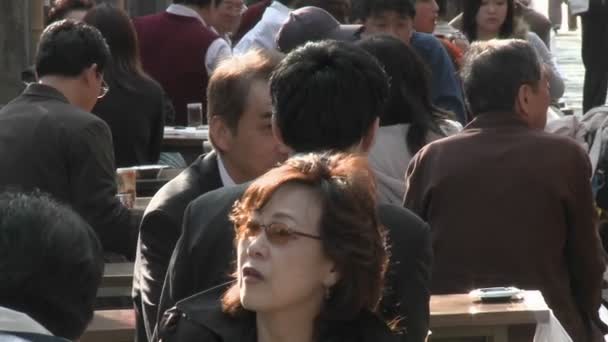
column 49, row 140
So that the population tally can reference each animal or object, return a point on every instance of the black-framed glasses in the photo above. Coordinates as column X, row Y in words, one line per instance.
column 276, row 232
column 104, row 89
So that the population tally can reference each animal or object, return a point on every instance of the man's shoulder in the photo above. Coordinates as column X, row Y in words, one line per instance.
column 561, row 146
column 449, row 142
column 55, row 114
column 194, row 181
column 425, row 41
column 190, row 27
column 401, row 221
column 219, row 198
column 147, row 18
column 208, row 216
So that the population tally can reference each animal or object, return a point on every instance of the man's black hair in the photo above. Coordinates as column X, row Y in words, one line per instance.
column 363, row 9
column 326, row 95
column 67, row 47
column 51, row 263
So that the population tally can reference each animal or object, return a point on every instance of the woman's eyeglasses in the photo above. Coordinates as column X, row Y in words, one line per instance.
column 277, row 233
column 104, row 89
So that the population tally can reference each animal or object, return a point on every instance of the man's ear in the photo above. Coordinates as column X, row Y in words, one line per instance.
column 331, row 278
column 92, row 74
column 522, row 102
column 219, row 133
column 279, row 137
column 368, row 140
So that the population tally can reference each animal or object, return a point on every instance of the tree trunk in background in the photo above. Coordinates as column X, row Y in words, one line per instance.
column 14, row 47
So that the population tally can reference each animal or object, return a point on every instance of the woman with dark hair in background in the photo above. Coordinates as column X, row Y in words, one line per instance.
column 497, row 19
column 135, row 107
column 311, row 259
column 409, row 120
column 69, row 9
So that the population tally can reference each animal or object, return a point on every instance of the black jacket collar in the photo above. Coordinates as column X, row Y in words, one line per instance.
column 209, row 172
column 205, row 310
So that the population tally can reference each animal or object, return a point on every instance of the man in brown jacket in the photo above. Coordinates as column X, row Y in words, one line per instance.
column 507, row 203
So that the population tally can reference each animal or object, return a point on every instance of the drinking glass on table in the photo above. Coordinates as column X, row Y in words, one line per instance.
column 195, row 114
column 125, row 186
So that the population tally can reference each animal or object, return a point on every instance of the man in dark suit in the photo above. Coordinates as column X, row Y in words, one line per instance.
column 239, row 110
column 509, row 204
column 50, row 141
column 326, row 96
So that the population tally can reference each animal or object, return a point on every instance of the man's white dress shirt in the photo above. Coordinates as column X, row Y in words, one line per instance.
column 263, row 34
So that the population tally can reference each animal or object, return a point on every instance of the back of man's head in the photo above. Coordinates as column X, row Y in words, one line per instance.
column 51, row 263
column 66, row 48
column 494, row 71
column 327, row 95
column 364, row 9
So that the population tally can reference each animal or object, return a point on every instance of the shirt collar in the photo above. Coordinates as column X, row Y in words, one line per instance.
column 185, row 11
column 14, row 321
column 496, row 120
column 280, row 7
column 226, row 179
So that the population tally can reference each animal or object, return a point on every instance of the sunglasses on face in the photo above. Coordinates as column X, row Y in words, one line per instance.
column 276, row 232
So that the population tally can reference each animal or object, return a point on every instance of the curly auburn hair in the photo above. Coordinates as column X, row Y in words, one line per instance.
column 351, row 234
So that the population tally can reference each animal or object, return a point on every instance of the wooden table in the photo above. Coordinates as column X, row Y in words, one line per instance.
column 463, row 316
column 185, row 137
column 111, row 326
column 117, row 274
column 189, row 141
column 452, row 316
column 141, row 203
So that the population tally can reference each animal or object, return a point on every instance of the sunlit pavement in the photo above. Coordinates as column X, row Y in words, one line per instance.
column 566, row 47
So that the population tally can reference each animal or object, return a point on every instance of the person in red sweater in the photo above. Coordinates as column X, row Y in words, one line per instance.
column 179, row 49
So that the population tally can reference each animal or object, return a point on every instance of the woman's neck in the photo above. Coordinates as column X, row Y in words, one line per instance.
column 483, row 35
column 294, row 326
